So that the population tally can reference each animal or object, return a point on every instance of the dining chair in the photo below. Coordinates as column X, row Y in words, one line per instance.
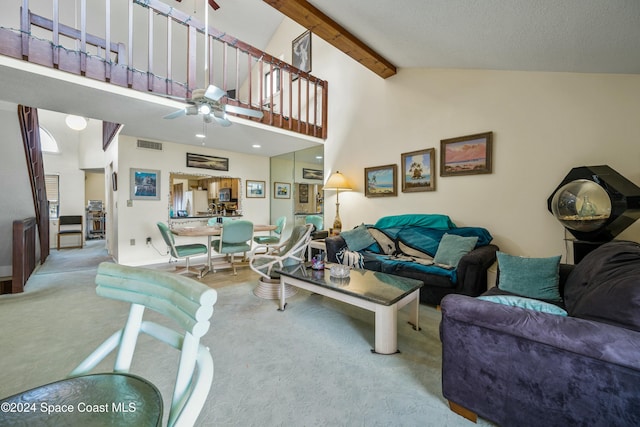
column 131, row 399
column 71, row 225
column 235, row 237
column 289, row 252
column 316, row 220
column 273, row 239
column 182, row 251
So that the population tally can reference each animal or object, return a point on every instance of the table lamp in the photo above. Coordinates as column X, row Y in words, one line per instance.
column 337, row 182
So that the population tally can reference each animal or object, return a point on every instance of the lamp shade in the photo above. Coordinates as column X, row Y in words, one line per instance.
column 337, row 181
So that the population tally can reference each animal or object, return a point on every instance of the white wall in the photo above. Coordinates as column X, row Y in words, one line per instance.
column 139, row 221
column 15, row 189
column 544, row 124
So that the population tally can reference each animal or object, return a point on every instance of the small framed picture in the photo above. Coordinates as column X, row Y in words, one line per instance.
column 255, row 189
column 418, row 169
column 281, row 190
column 312, row 173
column 301, row 52
column 145, row 184
column 466, row 155
column 381, row 181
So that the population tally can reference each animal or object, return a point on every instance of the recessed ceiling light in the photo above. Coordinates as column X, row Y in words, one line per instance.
column 200, row 135
column 256, row 145
column 319, row 157
column 76, row 122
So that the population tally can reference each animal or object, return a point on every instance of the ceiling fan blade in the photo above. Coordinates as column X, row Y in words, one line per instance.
column 176, row 114
column 244, row 111
column 220, row 118
column 214, row 93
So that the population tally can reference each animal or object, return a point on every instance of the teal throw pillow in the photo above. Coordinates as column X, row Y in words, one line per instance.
column 358, row 238
column 452, row 248
column 530, row 277
column 522, row 302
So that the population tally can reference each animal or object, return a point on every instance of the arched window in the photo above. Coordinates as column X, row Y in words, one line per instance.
column 47, row 142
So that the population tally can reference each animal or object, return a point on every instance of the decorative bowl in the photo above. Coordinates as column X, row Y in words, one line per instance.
column 339, row 271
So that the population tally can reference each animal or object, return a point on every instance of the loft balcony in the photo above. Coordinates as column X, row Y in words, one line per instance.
column 172, row 54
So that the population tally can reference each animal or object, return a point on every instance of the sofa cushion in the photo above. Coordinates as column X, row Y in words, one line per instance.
column 605, row 285
column 452, row 248
column 522, row 302
column 350, row 258
column 358, row 238
column 386, row 244
column 530, row 277
column 436, row 221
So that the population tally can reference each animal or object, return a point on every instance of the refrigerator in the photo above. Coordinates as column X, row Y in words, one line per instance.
column 196, row 202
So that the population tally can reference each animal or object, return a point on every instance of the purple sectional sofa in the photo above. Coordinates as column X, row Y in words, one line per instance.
column 521, row 367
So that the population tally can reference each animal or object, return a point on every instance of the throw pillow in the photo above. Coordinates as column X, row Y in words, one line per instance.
column 387, row 244
column 452, row 248
column 350, row 258
column 530, row 277
column 522, row 302
column 358, row 238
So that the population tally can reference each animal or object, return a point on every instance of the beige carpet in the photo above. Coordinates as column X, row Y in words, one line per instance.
column 310, row 365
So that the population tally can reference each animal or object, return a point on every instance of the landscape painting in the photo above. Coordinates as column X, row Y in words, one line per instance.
column 381, row 181
column 207, row 162
column 466, row 155
column 418, row 171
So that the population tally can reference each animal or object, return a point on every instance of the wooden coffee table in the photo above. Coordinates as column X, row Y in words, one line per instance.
column 384, row 294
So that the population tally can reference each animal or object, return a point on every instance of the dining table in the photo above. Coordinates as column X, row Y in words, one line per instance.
column 210, row 231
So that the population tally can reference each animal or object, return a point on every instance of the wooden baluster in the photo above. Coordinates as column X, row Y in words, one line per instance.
column 325, row 106
column 83, row 37
column 261, row 81
column 56, row 35
column 169, row 85
column 299, row 103
column 271, row 90
column 130, row 58
column 25, row 28
column 150, row 51
column 224, row 66
column 249, row 72
column 290, row 100
column 280, row 85
column 237, row 97
column 107, row 40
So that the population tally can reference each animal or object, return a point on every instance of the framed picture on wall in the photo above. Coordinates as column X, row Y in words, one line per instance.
column 312, row 173
column 301, row 52
column 381, row 181
column 207, row 162
column 281, row 190
column 255, row 189
column 418, row 170
column 303, row 193
column 145, row 184
column 466, row 155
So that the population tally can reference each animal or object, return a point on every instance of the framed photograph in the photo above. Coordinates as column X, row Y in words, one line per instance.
column 312, row 173
column 281, row 190
column 466, row 155
column 301, row 52
column 303, row 193
column 381, row 181
column 145, row 184
column 418, row 169
column 255, row 189
column 207, row 162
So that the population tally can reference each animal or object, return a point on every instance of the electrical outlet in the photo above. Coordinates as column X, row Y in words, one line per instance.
column 148, row 240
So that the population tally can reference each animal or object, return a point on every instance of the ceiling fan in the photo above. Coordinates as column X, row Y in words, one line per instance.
column 207, row 103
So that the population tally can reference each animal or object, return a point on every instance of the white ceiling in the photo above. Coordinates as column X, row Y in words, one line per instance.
column 595, row 36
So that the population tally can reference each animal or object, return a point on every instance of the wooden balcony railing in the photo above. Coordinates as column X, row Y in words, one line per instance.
column 167, row 56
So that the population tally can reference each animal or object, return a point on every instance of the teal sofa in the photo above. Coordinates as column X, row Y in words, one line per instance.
column 408, row 246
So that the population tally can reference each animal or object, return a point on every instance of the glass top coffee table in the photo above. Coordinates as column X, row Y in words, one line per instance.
column 382, row 293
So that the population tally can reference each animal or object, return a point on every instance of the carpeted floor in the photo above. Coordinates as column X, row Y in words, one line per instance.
column 309, row 365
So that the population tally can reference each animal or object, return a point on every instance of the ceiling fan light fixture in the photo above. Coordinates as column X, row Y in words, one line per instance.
column 207, row 118
column 205, row 109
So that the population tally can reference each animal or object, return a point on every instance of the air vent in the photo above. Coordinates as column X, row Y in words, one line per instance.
column 149, row 145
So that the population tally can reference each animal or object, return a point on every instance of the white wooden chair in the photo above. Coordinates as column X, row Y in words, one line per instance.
column 185, row 301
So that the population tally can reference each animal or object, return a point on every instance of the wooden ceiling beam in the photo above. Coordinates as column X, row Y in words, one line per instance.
column 307, row 15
